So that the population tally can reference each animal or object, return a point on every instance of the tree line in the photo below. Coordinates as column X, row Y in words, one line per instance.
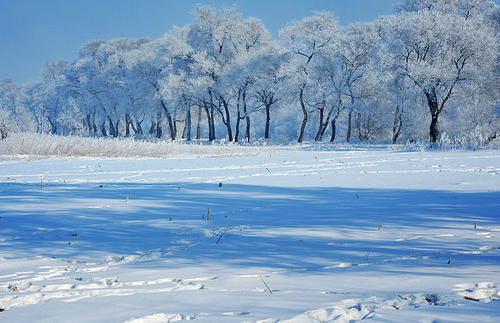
column 432, row 68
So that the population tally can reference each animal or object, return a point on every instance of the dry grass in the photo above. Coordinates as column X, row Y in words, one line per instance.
column 43, row 145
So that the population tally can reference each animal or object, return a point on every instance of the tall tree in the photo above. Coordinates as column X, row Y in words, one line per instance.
column 309, row 38
column 440, row 53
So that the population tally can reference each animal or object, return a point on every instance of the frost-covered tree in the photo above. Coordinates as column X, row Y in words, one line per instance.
column 403, row 103
column 218, row 37
column 382, row 79
column 55, row 91
column 440, row 53
column 259, row 78
column 356, row 56
column 372, row 116
column 36, row 100
column 13, row 100
column 342, row 75
column 70, row 118
column 240, row 77
column 101, row 78
column 9, row 95
column 271, row 74
column 464, row 8
column 5, row 124
column 309, row 38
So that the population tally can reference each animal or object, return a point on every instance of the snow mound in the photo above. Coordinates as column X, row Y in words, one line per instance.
column 484, row 292
column 347, row 311
column 162, row 318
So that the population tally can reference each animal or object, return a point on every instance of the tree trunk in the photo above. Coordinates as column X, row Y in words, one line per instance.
column 37, row 120
column 398, row 125
column 198, row 126
column 322, row 125
column 53, row 128
column 184, row 131
column 321, row 131
column 268, row 120
column 209, row 122
column 152, row 129
column 238, row 119
column 94, row 125
column 132, row 125
column 138, row 127
column 433, row 129
column 171, row 125
column 228, row 120
column 117, row 123
column 432, row 102
column 212, row 122
column 210, row 116
column 247, row 117
column 349, row 126
column 89, row 124
column 334, row 130
column 174, row 123
column 127, row 125
column 362, row 127
column 103, row 129
column 111, row 128
column 159, row 131
column 210, row 119
column 304, row 111
column 54, row 124
column 187, row 124
column 158, row 128
column 248, row 129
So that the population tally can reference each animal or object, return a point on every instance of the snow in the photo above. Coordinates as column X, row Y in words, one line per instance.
column 293, row 234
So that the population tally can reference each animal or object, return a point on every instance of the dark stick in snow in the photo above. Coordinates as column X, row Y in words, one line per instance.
column 269, row 289
column 218, row 240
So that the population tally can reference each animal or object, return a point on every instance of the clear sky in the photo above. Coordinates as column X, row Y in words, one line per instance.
column 35, row 31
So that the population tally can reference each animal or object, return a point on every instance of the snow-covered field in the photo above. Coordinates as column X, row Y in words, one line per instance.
column 292, row 234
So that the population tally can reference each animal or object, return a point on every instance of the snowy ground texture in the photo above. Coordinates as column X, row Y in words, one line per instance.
column 290, row 235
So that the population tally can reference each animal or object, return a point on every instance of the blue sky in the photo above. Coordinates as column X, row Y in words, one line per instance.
column 35, row 31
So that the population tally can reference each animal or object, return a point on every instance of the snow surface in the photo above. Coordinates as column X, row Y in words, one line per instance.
column 289, row 234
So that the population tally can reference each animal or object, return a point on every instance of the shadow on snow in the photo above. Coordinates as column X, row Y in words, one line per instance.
column 313, row 229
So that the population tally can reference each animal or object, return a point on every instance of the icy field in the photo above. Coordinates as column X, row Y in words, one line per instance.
column 293, row 235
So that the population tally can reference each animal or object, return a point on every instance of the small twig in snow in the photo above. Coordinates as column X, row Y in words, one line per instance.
column 218, row 240
column 269, row 289
column 471, row 299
